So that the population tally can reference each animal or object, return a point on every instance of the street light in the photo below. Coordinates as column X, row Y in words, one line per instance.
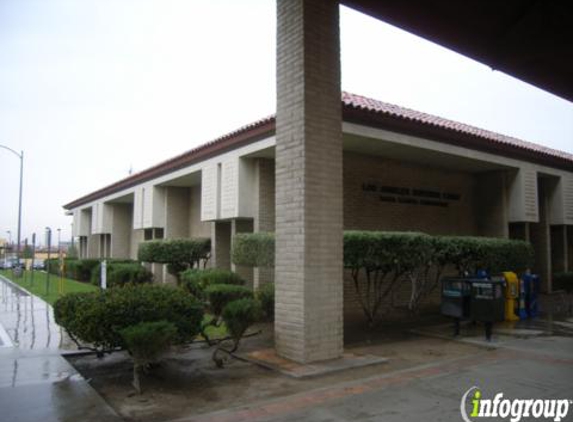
column 21, row 157
column 49, row 243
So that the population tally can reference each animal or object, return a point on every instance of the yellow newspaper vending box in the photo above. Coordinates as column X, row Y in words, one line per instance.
column 511, row 295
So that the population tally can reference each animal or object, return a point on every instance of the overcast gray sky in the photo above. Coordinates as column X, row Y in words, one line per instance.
column 90, row 88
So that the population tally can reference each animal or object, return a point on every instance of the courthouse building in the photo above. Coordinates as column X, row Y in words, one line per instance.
column 402, row 170
column 332, row 161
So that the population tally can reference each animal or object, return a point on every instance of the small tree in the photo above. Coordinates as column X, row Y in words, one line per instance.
column 222, row 294
column 27, row 252
column 178, row 254
column 72, row 252
column 146, row 342
column 238, row 315
column 197, row 281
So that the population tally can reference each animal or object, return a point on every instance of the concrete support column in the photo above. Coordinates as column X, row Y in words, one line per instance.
column 264, row 212
column 93, row 244
column 242, row 226
column 308, row 271
column 221, row 245
column 559, row 260
column 83, row 247
column 136, row 238
column 176, row 213
column 541, row 240
column 121, row 231
column 491, row 205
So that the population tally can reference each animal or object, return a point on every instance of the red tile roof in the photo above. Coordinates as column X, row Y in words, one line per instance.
column 368, row 104
column 362, row 110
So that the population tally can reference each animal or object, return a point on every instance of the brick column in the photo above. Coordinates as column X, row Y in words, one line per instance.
column 308, row 271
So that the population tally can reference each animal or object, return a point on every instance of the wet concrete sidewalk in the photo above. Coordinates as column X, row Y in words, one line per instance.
column 36, row 382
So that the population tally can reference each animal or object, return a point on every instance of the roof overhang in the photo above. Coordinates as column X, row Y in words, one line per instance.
column 531, row 40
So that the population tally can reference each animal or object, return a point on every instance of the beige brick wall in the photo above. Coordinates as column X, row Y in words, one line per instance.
column 365, row 211
column 481, row 209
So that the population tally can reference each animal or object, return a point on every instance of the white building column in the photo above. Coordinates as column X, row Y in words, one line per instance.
column 308, row 271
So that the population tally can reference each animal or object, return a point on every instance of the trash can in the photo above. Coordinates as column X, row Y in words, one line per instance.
column 487, row 302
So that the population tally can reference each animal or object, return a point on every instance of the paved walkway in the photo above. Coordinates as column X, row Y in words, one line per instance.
column 36, row 382
column 533, row 368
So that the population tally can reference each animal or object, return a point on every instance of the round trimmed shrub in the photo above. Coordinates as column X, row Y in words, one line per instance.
column 239, row 315
column 99, row 317
column 219, row 295
column 146, row 341
column 197, row 281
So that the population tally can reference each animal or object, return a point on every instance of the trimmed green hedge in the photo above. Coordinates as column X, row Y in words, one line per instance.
column 254, row 249
column 379, row 261
column 197, row 281
column 121, row 273
column 98, row 318
column 188, row 251
column 76, row 269
column 178, row 254
column 392, row 250
column 386, row 251
column 219, row 295
column 470, row 254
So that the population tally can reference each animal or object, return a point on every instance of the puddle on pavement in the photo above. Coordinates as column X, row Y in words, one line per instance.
column 28, row 321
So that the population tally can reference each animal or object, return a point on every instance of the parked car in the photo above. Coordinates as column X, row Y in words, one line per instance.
column 39, row 264
column 6, row 264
